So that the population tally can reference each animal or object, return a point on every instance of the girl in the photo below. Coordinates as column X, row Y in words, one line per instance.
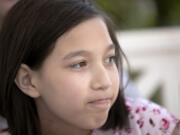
column 60, row 63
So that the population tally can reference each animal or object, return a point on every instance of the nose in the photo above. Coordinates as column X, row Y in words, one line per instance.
column 101, row 79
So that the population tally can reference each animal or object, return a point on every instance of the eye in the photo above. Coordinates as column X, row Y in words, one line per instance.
column 110, row 60
column 79, row 65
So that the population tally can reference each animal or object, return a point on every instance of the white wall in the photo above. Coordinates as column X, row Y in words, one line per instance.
column 157, row 53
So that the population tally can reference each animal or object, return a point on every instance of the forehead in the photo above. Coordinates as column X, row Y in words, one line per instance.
column 92, row 32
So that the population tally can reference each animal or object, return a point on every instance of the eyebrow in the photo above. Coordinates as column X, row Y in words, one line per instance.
column 84, row 52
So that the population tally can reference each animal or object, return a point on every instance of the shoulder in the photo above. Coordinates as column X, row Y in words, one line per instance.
column 149, row 118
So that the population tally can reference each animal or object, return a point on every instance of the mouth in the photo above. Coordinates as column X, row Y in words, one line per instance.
column 101, row 103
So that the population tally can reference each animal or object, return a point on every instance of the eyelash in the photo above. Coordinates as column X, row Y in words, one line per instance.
column 82, row 64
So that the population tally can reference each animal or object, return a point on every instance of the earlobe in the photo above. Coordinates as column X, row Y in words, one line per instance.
column 24, row 81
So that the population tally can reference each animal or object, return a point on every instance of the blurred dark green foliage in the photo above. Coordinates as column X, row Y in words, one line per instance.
column 157, row 95
column 132, row 14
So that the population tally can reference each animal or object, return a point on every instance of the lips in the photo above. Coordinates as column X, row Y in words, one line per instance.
column 100, row 103
column 100, row 100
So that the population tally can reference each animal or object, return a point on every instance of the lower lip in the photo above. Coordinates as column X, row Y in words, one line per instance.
column 102, row 104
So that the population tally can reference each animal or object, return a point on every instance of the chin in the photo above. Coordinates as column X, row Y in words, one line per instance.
column 97, row 123
column 100, row 124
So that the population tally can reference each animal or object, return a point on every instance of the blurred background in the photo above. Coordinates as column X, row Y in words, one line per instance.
column 149, row 33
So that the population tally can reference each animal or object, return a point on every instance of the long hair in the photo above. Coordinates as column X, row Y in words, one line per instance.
column 28, row 36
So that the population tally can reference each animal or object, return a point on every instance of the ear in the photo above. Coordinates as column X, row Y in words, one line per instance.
column 25, row 80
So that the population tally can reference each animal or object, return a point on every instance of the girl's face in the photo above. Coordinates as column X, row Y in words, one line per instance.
column 79, row 81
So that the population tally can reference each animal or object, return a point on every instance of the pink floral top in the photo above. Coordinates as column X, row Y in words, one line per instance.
column 146, row 118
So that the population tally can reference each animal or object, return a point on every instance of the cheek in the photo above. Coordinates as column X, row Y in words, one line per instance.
column 116, row 78
column 64, row 98
column 115, row 82
column 65, row 87
column 60, row 96
column 58, row 91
